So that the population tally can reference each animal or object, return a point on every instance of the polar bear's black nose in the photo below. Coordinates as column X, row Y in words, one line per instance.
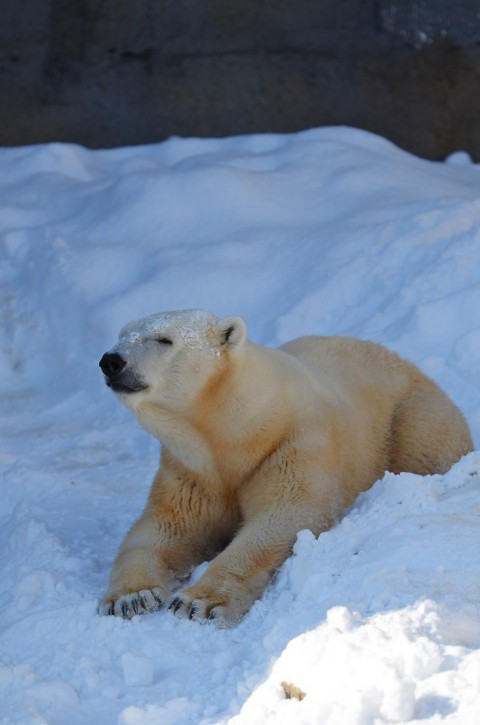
column 112, row 364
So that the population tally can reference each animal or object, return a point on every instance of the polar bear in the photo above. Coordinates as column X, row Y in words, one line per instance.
column 257, row 444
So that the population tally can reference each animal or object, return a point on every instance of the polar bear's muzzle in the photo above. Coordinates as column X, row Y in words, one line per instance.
column 118, row 376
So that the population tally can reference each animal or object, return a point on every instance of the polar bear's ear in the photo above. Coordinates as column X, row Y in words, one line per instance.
column 233, row 331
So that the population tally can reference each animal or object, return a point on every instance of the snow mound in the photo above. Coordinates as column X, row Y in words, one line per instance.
column 328, row 231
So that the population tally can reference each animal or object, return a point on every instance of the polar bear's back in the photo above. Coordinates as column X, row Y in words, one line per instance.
column 352, row 362
column 425, row 430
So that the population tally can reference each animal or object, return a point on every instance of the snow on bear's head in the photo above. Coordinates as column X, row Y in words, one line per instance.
column 166, row 359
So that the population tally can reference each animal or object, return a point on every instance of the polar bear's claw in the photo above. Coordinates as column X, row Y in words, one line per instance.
column 201, row 610
column 183, row 608
column 175, row 604
column 127, row 605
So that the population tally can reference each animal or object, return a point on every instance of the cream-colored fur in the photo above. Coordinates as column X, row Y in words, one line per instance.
column 257, row 445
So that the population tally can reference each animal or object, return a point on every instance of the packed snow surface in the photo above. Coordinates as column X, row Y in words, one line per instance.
column 329, row 231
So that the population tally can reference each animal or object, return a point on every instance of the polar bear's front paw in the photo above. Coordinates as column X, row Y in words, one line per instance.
column 126, row 605
column 202, row 606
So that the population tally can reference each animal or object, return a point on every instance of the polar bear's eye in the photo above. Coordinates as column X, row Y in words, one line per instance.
column 164, row 341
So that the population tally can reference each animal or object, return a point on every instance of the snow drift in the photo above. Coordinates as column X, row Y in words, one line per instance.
column 329, row 231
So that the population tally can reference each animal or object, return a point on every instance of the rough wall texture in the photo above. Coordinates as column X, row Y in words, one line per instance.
column 115, row 72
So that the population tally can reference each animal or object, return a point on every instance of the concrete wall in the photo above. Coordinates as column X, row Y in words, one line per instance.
column 115, row 72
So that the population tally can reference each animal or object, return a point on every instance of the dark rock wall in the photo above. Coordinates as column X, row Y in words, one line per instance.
column 116, row 72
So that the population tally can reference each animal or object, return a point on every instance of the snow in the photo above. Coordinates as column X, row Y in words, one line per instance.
column 137, row 669
column 189, row 325
column 328, row 231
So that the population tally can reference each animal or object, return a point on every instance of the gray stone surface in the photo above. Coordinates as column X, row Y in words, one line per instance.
column 115, row 72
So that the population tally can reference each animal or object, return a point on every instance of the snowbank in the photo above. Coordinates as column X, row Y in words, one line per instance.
column 330, row 231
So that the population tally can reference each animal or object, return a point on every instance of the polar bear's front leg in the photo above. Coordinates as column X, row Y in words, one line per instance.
column 239, row 575
column 140, row 581
column 181, row 527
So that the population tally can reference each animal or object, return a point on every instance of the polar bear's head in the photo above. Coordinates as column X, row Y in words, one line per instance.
column 168, row 358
